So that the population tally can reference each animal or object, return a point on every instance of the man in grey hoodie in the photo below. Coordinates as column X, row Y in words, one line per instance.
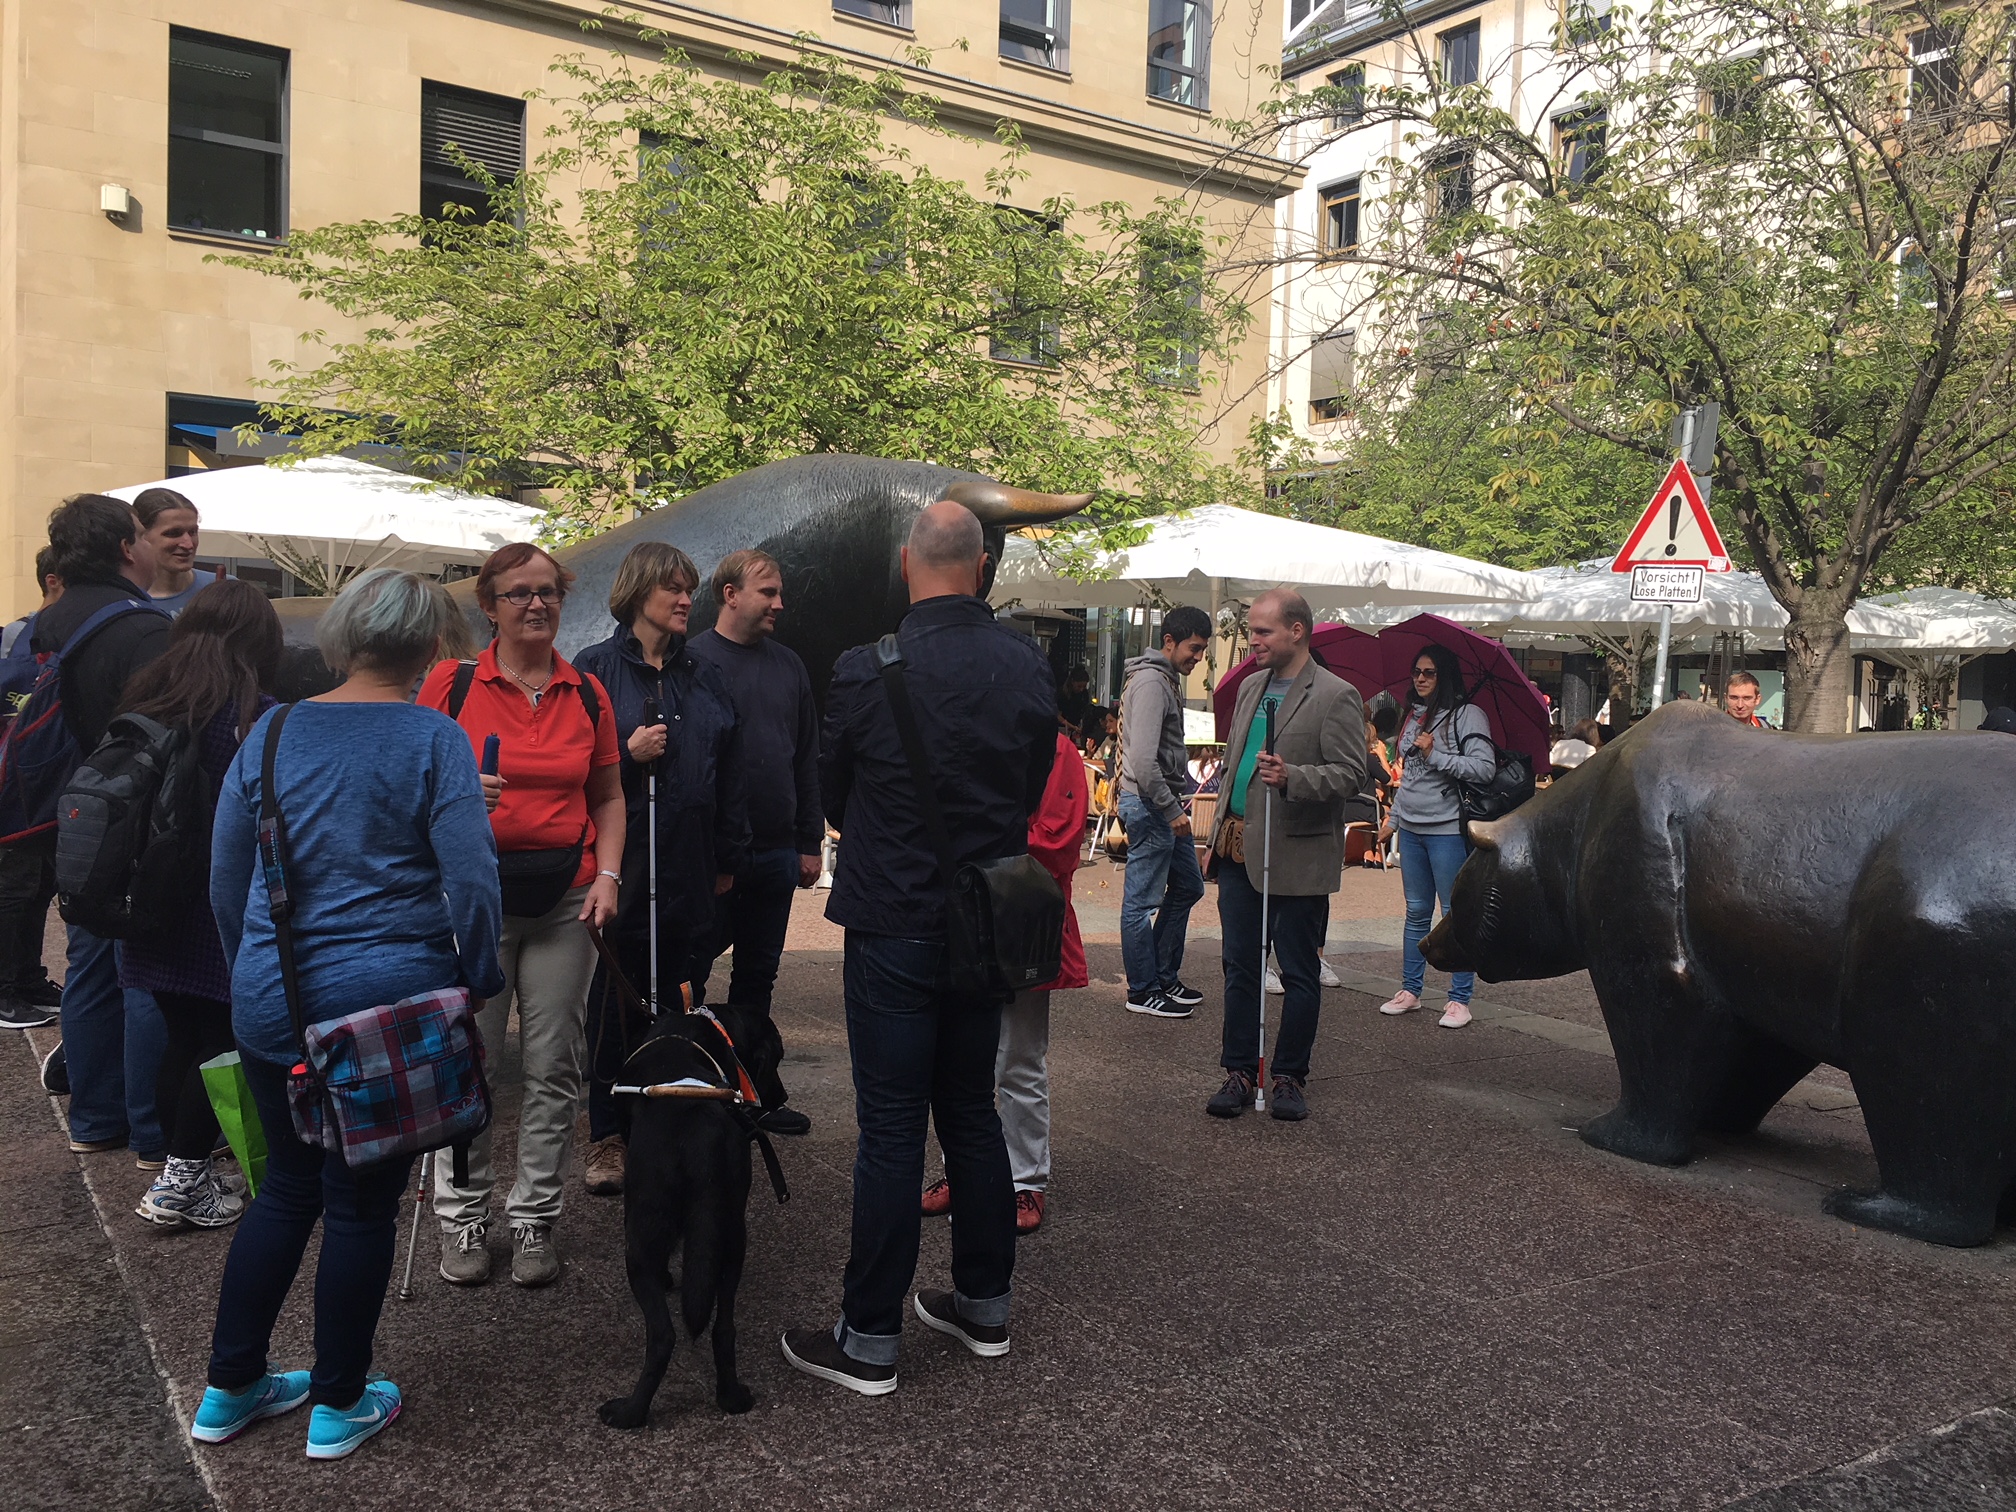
column 1163, row 879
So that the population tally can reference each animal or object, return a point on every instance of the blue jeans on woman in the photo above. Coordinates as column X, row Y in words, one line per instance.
column 1428, row 867
column 359, row 1213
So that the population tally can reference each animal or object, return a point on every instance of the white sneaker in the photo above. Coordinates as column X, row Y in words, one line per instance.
column 187, row 1192
column 1274, row 986
column 1402, row 1001
column 1326, row 974
column 1456, row 1017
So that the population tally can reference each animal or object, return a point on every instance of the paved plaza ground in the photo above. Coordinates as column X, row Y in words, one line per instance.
column 1431, row 1295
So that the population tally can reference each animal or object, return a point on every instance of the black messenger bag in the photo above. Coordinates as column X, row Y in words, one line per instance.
column 1004, row 920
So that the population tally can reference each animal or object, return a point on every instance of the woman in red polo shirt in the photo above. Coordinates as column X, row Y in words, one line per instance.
column 559, row 827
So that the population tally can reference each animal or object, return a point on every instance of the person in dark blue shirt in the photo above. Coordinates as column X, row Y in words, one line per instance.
column 780, row 755
column 986, row 711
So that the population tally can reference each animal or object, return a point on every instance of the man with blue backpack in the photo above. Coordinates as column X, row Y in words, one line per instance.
column 90, row 641
column 28, row 998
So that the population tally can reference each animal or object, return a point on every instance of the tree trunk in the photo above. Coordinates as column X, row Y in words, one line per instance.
column 1818, row 665
column 1623, row 689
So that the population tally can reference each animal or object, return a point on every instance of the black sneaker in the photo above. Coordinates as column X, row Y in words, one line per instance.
column 1232, row 1099
column 816, row 1352
column 936, row 1310
column 1286, row 1103
column 43, row 993
column 1188, row 997
column 56, row 1072
column 15, row 1014
column 1158, row 1005
column 784, row 1120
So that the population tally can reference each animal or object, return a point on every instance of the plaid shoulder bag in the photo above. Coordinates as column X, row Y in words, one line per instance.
column 380, row 1082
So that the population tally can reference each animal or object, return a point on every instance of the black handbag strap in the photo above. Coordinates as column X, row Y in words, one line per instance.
column 889, row 657
column 279, row 890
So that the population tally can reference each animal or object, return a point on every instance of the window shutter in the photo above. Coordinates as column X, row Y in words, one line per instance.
column 1330, row 367
column 486, row 128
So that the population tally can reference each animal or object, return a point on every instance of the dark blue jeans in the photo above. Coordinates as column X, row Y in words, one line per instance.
column 920, row 1052
column 1297, row 926
column 359, row 1212
column 1162, row 881
column 113, row 1039
column 1428, row 867
column 751, row 918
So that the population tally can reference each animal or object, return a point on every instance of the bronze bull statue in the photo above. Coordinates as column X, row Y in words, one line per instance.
column 1751, row 904
column 835, row 523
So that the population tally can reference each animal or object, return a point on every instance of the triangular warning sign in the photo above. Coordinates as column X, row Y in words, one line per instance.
column 1675, row 530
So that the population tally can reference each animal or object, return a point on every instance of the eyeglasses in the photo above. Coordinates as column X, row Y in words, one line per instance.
column 523, row 596
column 1427, row 672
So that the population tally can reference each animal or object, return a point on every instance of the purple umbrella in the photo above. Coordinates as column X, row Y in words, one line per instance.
column 1351, row 654
column 1515, row 708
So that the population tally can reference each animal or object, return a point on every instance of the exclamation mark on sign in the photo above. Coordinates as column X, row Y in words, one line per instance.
column 1673, row 526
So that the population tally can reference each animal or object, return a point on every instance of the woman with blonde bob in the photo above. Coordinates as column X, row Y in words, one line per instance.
column 692, row 743
column 393, row 880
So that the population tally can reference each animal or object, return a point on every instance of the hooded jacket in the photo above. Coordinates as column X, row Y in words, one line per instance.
column 1153, row 759
column 703, row 814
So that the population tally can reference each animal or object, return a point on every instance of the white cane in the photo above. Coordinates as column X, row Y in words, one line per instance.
column 653, row 715
column 1266, row 888
column 413, row 1239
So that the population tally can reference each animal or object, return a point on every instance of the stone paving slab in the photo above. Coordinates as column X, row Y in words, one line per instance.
column 1430, row 1295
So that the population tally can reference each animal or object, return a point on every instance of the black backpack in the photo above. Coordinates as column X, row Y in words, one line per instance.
column 133, row 832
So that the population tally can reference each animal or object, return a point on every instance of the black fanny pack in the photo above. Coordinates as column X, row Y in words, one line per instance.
column 1004, row 919
column 534, row 882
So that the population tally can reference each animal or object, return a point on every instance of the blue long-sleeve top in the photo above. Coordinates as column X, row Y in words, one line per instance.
column 392, row 868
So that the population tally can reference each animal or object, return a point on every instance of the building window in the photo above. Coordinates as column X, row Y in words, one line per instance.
column 1587, row 19
column 1037, row 31
column 488, row 130
column 1299, row 11
column 227, row 136
column 1179, row 52
column 1735, row 106
column 1914, row 276
column 1455, row 175
column 888, row 12
column 1349, row 104
column 1172, row 292
column 1460, row 55
column 1331, row 373
column 1025, row 322
column 1338, row 231
column 1578, row 144
column 1935, row 72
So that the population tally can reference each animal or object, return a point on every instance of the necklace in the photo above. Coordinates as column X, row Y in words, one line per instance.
column 535, row 689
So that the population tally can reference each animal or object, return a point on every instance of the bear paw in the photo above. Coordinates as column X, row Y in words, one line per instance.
column 1960, row 1228
column 1636, row 1140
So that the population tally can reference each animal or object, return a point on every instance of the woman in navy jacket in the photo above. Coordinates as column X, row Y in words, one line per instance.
column 703, row 819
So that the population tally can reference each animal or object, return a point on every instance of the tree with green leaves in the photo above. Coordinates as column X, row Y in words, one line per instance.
column 1803, row 212
column 703, row 274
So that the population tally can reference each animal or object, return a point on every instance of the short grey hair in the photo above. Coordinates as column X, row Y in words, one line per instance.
column 947, row 537
column 385, row 619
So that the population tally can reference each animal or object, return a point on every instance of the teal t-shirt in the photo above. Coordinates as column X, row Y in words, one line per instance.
column 1256, row 741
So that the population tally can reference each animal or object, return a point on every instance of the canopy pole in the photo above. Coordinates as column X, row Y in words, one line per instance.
column 1659, row 664
column 1211, row 646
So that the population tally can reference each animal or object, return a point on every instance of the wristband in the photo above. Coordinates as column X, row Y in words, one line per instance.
column 612, row 876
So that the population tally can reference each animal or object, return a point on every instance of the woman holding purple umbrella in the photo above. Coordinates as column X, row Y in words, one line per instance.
column 1444, row 740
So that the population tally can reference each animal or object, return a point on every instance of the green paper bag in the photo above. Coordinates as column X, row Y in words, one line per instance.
column 224, row 1079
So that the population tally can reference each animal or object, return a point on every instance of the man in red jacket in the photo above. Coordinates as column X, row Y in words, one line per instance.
column 1021, row 1069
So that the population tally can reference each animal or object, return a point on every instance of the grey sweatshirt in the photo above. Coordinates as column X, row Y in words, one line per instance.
column 1428, row 802
column 1153, row 760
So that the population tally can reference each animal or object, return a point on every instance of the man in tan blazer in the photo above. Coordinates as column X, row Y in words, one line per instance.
column 1317, row 763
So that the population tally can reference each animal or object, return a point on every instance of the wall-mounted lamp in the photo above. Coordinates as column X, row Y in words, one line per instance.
column 116, row 200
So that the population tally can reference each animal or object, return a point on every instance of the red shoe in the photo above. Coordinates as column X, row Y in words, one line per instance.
column 937, row 1199
column 1028, row 1212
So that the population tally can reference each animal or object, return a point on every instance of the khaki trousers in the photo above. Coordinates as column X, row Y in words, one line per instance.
column 547, row 965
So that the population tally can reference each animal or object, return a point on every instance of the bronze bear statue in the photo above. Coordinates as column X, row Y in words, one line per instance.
column 835, row 523
column 1750, row 904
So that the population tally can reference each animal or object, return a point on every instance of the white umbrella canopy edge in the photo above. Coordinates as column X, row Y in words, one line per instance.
column 351, row 513
column 1219, row 551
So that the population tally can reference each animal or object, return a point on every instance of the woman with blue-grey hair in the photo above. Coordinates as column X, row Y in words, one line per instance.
column 393, row 876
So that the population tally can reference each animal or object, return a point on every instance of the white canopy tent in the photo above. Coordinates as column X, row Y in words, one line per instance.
column 1218, row 552
column 345, row 515
column 1950, row 629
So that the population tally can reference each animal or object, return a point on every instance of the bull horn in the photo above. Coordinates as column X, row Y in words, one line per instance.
column 1009, row 507
column 1485, row 833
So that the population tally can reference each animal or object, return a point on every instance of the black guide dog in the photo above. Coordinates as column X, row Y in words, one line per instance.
column 686, row 1177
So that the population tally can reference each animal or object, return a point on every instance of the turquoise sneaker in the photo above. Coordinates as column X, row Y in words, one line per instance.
column 223, row 1415
column 333, row 1432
